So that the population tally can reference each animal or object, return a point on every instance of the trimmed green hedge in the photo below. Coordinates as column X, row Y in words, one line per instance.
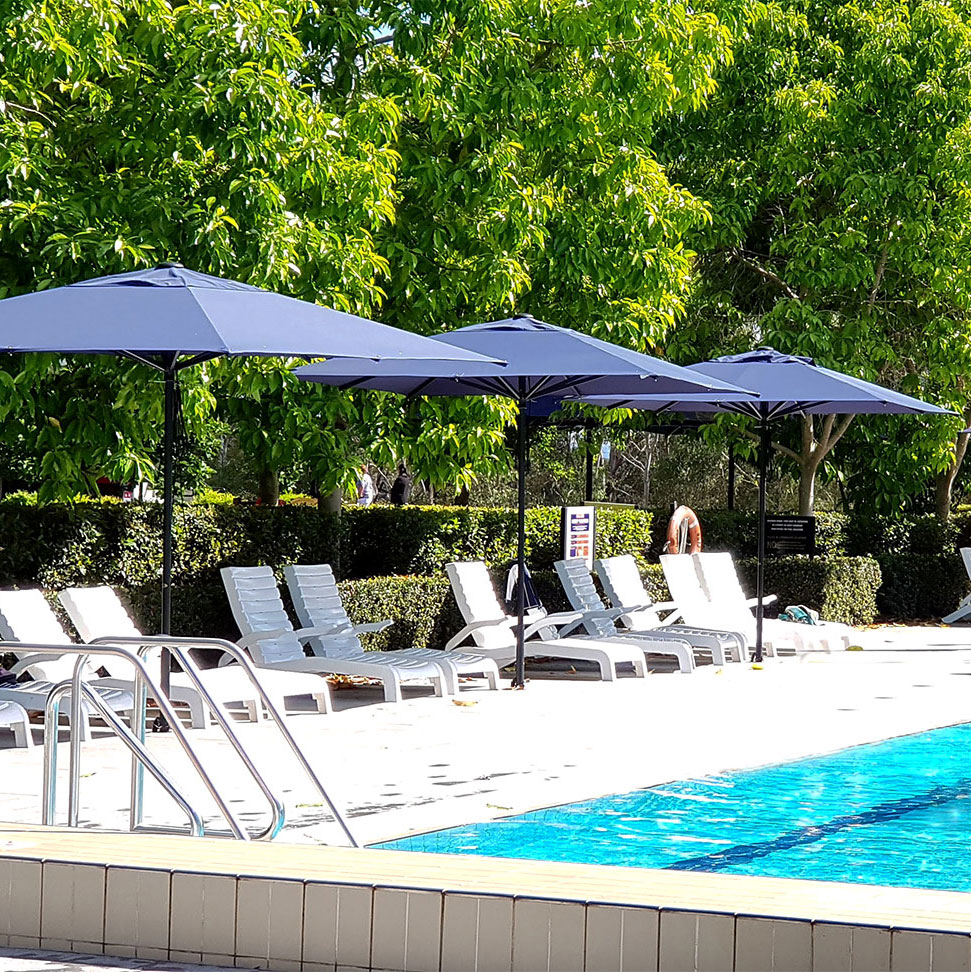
column 840, row 588
column 382, row 540
column 921, row 586
column 60, row 546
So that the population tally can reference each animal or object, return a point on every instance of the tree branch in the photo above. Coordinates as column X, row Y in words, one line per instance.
column 878, row 276
column 778, row 446
column 840, row 429
column 765, row 272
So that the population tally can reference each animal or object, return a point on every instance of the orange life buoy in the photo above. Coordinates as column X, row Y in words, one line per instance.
column 683, row 514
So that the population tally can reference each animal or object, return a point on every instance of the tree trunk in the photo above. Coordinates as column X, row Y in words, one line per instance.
column 268, row 488
column 807, row 488
column 330, row 502
column 944, row 481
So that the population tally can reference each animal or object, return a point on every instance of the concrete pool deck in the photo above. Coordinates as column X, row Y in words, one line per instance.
column 427, row 763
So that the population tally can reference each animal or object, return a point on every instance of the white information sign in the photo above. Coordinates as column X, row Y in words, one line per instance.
column 579, row 525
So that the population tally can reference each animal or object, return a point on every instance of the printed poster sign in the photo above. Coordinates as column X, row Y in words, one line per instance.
column 579, row 524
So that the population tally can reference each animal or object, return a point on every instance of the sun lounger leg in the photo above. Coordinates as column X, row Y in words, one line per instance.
column 324, row 701
column 392, row 687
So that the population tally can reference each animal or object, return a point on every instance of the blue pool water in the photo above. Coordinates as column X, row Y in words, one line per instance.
column 895, row 812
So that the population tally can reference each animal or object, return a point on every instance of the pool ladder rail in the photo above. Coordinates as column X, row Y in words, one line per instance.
column 135, row 651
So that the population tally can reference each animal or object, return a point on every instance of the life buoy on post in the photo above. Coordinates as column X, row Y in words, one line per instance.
column 683, row 515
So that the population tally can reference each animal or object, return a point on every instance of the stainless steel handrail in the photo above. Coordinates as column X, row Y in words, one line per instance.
column 142, row 679
column 139, row 753
column 180, row 647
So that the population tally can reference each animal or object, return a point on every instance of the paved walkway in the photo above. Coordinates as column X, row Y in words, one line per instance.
column 427, row 763
column 29, row 960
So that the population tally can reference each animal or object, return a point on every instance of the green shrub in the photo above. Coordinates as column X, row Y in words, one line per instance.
column 737, row 531
column 58, row 546
column 424, row 612
column 381, row 540
column 921, row 586
column 840, row 588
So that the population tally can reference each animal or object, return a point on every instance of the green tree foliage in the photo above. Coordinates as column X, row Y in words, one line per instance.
column 137, row 131
column 835, row 159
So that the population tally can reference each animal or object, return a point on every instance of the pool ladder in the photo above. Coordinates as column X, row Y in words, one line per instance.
column 135, row 651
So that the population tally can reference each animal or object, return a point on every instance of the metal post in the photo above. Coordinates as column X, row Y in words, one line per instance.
column 764, row 446
column 731, row 477
column 168, row 502
column 588, row 497
column 519, row 681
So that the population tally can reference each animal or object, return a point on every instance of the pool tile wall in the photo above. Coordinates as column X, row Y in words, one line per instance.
column 318, row 909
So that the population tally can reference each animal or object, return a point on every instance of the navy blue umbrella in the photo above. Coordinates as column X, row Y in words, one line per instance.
column 786, row 385
column 170, row 318
column 542, row 362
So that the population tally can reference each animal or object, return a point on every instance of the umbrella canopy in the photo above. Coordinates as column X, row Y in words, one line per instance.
column 171, row 312
column 171, row 318
column 786, row 385
column 542, row 362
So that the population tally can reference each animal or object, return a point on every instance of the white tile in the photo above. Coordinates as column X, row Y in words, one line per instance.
column 623, row 939
column 203, row 917
column 406, row 930
column 477, row 933
column 548, row 936
column 137, row 910
column 73, row 905
column 269, row 920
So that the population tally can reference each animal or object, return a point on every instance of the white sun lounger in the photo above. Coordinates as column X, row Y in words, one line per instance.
column 26, row 616
column 97, row 612
column 14, row 717
column 269, row 636
column 598, row 622
column 695, row 608
column 963, row 610
column 622, row 583
column 601, row 621
column 317, row 602
column 720, row 578
column 494, row 634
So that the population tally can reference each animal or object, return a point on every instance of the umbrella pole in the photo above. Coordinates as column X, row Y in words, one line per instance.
column 168, row 499
column 764, row 445
column 520, row 679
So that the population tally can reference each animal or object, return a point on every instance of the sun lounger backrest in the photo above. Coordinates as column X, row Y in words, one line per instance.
column 684, row 584
column 27, row 616
column 582, row 594
column 317, row 603
column 623, row 585
column 720, row 579
column 966, row 557
column 97, row 612
column 257, row 606
column 477, row 600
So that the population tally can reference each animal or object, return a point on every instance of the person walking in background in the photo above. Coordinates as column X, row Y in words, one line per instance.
column 365, row 487
column 401, row 487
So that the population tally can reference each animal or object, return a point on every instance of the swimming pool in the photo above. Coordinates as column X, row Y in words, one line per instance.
column 895, row 812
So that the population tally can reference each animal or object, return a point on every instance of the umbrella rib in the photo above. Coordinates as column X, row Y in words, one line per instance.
column 141, row 359
column 196, row 359
column 419, row 388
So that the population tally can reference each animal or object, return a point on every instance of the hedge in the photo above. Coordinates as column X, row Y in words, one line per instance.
column 836, row 533
column 59, row 546
column 840, row 588
column 921, row 586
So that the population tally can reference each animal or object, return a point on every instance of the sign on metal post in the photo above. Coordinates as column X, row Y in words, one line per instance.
column 579, row 526
column 786, row 535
